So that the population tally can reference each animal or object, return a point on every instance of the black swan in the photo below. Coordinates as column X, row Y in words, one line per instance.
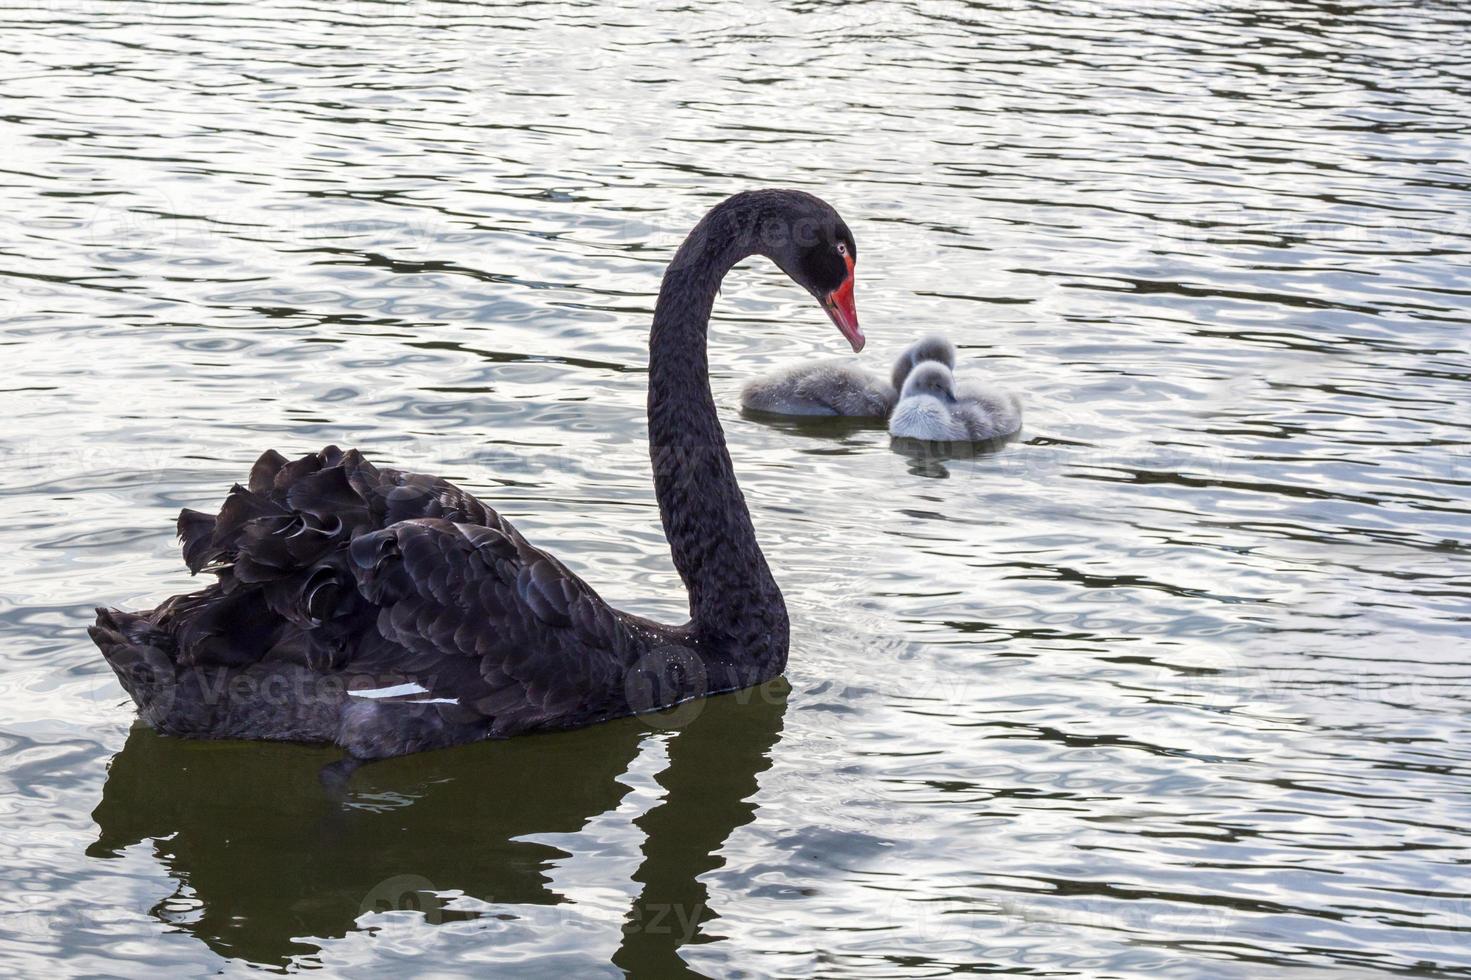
column 933, row 409
column 834, row 387
column 390, row 612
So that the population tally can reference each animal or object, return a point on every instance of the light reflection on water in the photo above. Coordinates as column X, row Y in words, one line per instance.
column 1173, row 685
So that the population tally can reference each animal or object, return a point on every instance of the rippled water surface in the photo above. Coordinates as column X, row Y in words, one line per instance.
column 1176, row 684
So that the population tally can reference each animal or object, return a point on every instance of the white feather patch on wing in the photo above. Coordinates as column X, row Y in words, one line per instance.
column 396, row 691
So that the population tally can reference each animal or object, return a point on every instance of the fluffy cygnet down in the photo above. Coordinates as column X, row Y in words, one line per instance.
column 932, row 408
column 838, row 387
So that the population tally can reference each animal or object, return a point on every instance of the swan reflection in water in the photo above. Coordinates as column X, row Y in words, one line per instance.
column 266, row 861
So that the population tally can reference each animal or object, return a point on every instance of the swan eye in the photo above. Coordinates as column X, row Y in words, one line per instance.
column 842, row 248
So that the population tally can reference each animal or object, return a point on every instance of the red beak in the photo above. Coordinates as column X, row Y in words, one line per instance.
column 839, row 306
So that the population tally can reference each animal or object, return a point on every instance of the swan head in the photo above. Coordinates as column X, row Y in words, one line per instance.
column 931, row 347
column 810, row 242
column 931, row 378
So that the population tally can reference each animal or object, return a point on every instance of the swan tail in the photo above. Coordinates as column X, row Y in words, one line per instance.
column 140, row 655
column 210, row 665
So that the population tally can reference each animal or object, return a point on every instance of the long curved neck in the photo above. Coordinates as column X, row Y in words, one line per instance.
column 737, row 614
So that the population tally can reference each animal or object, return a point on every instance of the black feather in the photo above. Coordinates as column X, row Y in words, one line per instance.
column 263, row 473
column 196, row 532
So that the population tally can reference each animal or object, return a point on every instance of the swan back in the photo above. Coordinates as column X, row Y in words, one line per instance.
column 831, row 387
column 988, row 412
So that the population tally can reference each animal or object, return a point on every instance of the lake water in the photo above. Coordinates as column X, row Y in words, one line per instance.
column 1176, row 684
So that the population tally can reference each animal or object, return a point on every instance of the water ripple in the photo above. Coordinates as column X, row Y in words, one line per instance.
column 1173, row 685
